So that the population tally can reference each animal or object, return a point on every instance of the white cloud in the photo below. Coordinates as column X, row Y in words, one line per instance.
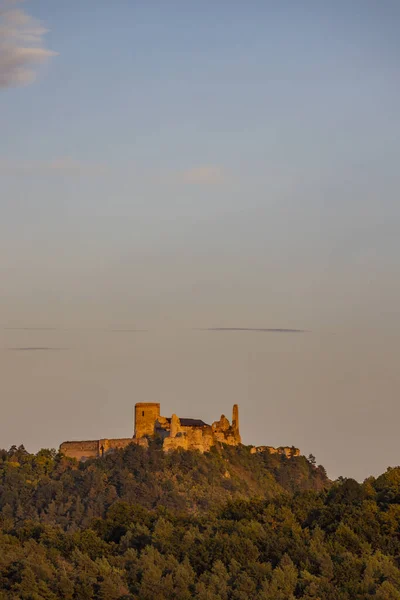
column 22, row 47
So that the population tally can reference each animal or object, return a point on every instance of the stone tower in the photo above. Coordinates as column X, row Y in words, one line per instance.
column 235, row 417
column 146, row 414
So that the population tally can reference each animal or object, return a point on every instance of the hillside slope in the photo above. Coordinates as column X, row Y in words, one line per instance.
column 55, row 489
column 144, row 525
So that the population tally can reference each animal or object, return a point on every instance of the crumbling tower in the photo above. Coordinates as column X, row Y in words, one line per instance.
column 235, row 417
column 146, row 414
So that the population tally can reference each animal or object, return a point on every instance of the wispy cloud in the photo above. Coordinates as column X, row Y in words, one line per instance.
column 35, row 349
column 104, row 329
column 22, row 47
column 127, row 330
column 29, row 328
column 258, row 329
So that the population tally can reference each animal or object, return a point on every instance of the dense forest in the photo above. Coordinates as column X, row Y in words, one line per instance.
column 142, row 524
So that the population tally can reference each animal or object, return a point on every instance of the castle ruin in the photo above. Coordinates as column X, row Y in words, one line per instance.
column 175, row 432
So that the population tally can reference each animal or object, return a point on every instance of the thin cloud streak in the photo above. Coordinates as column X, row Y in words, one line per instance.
column 29, row 329
column 35, row 349
column 126, row 330
column 22, row 47
column 105, row 329
column 256, row 329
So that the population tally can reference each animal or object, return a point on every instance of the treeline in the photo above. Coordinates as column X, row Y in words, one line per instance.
column 144, row 525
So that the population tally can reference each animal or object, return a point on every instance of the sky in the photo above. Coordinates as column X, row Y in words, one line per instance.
column 168, row 168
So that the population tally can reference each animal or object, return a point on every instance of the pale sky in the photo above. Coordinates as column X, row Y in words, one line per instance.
column 174, row 166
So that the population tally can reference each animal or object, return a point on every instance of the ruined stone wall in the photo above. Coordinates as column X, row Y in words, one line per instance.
column 224, row 432
column 80, row 450
column 162, row 427
column 118, row 443
column 190, row 438
column 287, row 451
column 200, row 438
column 93, row 448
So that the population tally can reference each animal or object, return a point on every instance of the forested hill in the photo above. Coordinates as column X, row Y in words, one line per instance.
column 54, row 489
column 144, row 525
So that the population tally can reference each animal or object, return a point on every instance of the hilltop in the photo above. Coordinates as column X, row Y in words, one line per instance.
column 142, row 524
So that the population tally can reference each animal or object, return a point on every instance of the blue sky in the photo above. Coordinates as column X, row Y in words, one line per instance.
column 213, row 133
column 204, row 164
column 265, row 95
column 159, row 80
